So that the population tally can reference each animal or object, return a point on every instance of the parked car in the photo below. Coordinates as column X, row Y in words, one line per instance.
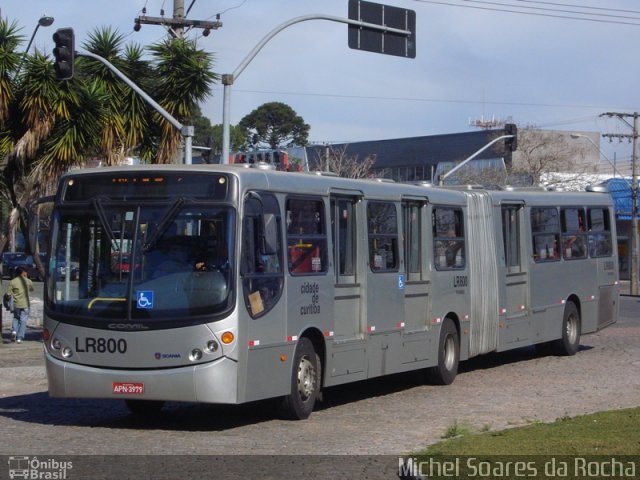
column 11, row 261
column 61, row 268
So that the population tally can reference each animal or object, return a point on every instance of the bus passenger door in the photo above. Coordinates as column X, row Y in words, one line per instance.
column 417, row 287
column 515, row 323
column 347, row 294
column 416, row 291
column 385, row 284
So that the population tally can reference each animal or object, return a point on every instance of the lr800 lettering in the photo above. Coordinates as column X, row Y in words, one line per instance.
column 101, row 345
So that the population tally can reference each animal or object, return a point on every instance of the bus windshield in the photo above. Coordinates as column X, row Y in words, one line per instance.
column 163, row 262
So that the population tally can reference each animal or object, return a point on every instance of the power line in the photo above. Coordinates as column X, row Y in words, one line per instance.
column 430, row 100
column 547, row 15
column 550, row 9
column 580, row 6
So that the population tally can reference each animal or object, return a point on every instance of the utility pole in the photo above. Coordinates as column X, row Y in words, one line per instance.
column 178, row 22
column 633, row 284
column 176, row 25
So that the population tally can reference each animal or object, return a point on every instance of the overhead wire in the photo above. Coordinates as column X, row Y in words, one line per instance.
column 538, row 14
column 586, row 7
column 429, row 100
column 548, row 9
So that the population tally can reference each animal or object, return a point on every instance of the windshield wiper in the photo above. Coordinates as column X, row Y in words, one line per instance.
column 95, row 201
column 166, row 220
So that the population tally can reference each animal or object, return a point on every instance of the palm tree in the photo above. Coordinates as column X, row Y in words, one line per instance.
column 125, row 115
column 48, row 126
column 184, row 79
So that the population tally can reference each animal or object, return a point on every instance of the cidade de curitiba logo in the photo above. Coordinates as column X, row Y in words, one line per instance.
column 38, row 469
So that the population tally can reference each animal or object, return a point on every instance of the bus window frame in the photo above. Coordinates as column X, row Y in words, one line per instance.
column 442, row 243
column 552, row 255
column 571, row 236
column 255, row 282
column 315, row 242
column 605, row 233
column 374, row 237
column 413, row 237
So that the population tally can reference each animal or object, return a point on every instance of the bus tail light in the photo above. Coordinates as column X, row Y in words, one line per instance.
column 227, row 338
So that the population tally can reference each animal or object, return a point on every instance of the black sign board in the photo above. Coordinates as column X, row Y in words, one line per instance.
column 379, row 41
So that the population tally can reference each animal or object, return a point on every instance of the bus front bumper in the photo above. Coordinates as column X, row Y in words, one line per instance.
column 213, row 382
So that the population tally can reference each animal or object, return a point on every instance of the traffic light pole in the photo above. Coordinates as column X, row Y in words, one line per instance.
column 186, row 131
column 468, row 159
column 229, row 79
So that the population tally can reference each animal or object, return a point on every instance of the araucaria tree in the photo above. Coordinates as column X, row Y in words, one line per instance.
column 275, row 125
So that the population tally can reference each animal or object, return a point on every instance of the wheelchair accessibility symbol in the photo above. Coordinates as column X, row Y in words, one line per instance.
column 144, row 299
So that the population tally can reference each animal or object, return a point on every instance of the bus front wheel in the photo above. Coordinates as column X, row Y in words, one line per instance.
column 570, row 341
column 444, row 373
column 305, row 383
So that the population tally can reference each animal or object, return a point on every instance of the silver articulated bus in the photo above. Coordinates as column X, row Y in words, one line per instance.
column 229, row 284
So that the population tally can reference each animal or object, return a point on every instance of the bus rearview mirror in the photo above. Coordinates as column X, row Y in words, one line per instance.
column 270, row 234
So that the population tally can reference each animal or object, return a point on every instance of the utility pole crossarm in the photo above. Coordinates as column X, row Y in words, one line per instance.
column 179, row 22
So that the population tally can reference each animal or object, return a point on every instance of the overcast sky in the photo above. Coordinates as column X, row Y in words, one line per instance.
column 474, row 59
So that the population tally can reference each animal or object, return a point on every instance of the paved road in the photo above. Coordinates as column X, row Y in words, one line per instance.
column 389, row 416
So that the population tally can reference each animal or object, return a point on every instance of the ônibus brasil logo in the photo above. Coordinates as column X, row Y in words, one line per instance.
column 34, row 468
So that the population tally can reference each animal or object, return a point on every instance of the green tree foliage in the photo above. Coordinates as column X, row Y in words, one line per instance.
column 275, row 125
column 201, row 125
column 238, row 139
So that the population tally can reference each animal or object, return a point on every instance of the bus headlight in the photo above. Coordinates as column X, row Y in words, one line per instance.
column 195, row 355
column 212, row 346
column 55, row 344
column 67, row 352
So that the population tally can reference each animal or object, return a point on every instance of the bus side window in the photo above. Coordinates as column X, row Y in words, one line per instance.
column 448, row 239
column 599, row 232
column 306, row 236
column 545, row 228
column 382, row 223
column 574, row 236
column 262, row 275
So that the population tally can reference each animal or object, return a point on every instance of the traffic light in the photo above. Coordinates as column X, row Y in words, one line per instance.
column 64, row 53
column 511, row 143
column 206, row 154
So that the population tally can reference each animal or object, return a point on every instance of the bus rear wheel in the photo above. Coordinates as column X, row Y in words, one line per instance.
column 144, row 408
column 305, row 383
column 571, row 326
column 444, row 373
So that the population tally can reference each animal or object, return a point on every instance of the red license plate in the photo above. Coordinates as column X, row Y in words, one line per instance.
column 128, row 388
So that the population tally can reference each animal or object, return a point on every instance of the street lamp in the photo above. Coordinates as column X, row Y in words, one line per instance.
column 633, row 185
column 43, row 21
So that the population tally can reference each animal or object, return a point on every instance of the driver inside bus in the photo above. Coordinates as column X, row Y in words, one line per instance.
column 220, row 260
